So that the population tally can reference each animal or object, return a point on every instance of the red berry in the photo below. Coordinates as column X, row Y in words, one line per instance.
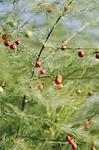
column 93, row 148
column 18, row 42
column 58, row 86
column 38, row 64
column 64, row 46
column 74, row 146
column 81, row 54
column 42, row 72
column 71, row 142
column 13, row 46
column 7, row 42
column 68, row 138
column 97, row 55
column 58, row 79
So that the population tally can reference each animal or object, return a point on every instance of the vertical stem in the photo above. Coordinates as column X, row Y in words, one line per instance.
column 22, row 108
column 58, row 19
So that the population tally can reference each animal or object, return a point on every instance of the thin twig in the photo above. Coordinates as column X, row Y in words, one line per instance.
column 47, row 140
column 62, row 142
column 42, row 48
column 73, row 48
column 50, row 32
column 22, row 108
column 58, row 19
column 79, row 30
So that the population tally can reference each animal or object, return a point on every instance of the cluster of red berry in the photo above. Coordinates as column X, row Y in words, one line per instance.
column 71, row 142
column 58, row 82
column 42, row 72
column 7, row 41
column 39, row 64
column 82, row 54
column 58, row 79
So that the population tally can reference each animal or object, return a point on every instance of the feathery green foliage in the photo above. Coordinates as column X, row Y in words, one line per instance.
column 34, row 119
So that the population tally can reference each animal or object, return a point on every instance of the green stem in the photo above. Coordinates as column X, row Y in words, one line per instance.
column 50, row 32
column 22, row 108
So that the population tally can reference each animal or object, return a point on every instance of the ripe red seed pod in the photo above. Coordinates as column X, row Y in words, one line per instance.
column 7, row 43
column 68, row 138
column 74, row 146
column 93, row 148
column 64, row 46
column 43, row 72
column 18, row 42
column 38, row 64
column 71, row 142
column 13, row 46
column 58, row 86
column 81, row 53
column 97, row 55
column 58, row 79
